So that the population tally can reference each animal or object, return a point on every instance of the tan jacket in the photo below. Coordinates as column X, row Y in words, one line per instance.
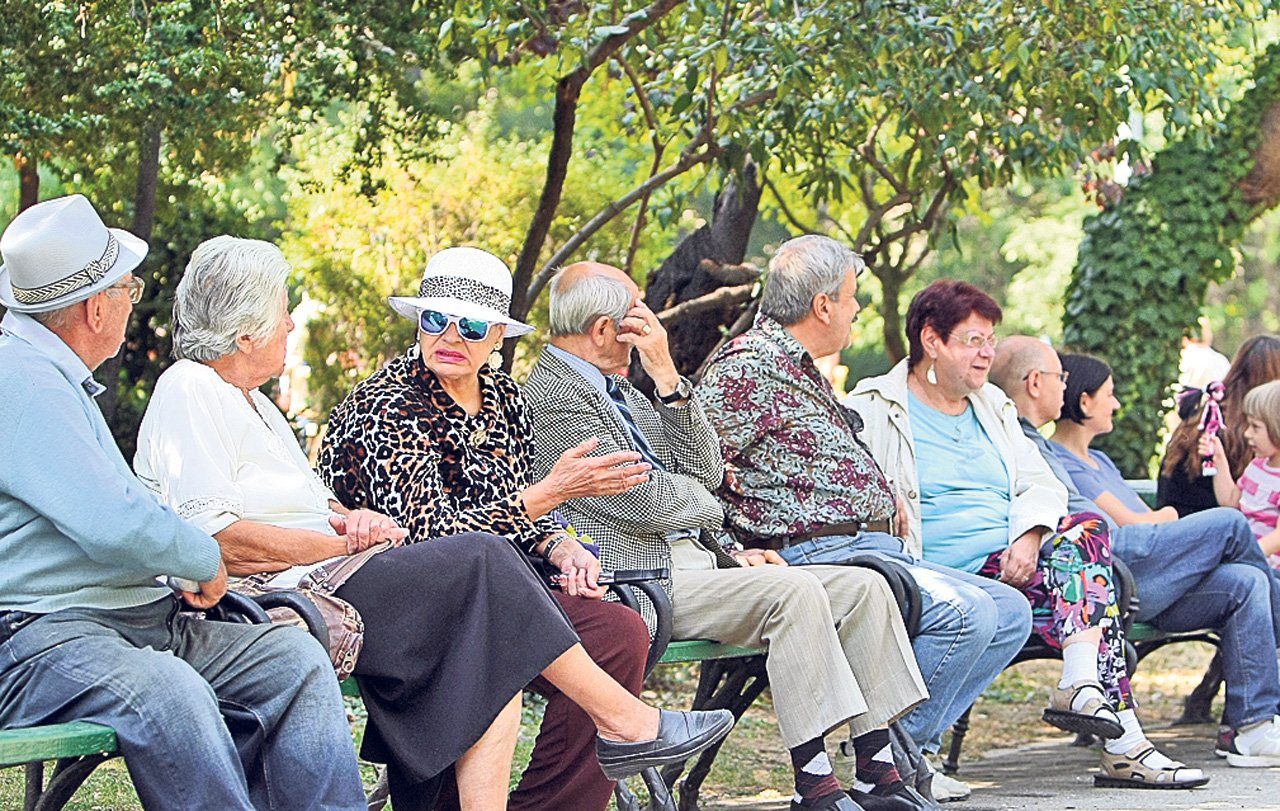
column 1038, row 498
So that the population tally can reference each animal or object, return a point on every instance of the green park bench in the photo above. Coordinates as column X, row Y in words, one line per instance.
column 77, row 749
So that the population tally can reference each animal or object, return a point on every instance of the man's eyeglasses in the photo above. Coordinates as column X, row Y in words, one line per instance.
column 1063, row 375
column 976, row 340
column 435, row 323
column 134, row 285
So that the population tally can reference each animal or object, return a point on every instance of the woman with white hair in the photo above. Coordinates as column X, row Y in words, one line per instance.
column 442, row 636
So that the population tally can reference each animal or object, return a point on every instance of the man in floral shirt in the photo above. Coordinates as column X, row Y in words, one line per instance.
column 798, row 479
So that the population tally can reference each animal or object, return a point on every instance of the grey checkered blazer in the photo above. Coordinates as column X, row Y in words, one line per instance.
column 630, row 527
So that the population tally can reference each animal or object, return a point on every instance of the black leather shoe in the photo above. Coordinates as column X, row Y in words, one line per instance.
column 836, row 802
column 681, row 735
column 904, row 799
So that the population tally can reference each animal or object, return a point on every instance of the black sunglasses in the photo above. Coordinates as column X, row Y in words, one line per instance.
column 435, row 323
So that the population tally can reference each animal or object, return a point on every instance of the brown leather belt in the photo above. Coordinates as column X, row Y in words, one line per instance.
column 844, row 528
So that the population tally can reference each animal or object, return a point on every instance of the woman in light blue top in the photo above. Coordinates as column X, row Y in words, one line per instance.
column 979, row 497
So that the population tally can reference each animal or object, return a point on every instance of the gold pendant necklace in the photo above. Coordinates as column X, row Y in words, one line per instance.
column 478, row 436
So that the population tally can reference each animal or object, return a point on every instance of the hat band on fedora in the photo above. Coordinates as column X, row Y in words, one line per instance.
column 469, row 290
column 89, row 274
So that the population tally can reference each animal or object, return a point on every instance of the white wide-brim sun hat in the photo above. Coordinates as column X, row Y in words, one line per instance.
column 466, row 282
column 59, row 252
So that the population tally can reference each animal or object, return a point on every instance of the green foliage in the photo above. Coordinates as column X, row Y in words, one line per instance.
column 351, row 250
column 1145, row 262
column 871, row 117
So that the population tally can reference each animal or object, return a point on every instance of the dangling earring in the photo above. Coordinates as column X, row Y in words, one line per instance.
column 495, row 357
column 931, row 376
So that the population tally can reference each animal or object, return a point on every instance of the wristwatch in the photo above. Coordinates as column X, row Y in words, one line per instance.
column 682, row 392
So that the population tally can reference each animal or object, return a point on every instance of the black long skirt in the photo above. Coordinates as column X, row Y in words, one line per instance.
column 454, row 627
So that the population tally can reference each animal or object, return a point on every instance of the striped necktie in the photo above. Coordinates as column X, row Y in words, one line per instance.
column 638, row 440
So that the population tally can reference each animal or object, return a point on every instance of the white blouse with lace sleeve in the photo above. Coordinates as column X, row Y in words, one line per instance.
column 215, row 459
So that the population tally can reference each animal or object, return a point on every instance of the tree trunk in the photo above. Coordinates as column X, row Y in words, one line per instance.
column 144, row 218
column 683, row 277
column 891, row 312
column 28, row 180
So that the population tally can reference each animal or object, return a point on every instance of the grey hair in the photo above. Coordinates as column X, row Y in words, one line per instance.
column 60, row 317
column 231, row 287
column 575, row 307
column 801, row 269
column 55, row 319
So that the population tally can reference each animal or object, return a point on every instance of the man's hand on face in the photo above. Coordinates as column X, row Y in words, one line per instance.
column 641, row 328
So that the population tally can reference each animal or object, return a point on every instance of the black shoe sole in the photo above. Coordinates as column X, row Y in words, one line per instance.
column 1078, row 723
column 618, row 768
column 1100, row 781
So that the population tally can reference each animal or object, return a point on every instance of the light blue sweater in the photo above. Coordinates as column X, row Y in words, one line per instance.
column 77, row 529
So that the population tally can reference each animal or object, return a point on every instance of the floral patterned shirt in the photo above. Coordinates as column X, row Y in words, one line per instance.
column 793, row 459
column 399, row 444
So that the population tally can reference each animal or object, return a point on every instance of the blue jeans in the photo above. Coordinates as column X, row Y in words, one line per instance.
column 1168, row 560
column 1234, row 599
column 1207, row 571
column 971, row 627
column 208, row 715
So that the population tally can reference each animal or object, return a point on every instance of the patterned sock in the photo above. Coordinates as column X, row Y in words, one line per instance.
column 876, row 771
column 814, row 779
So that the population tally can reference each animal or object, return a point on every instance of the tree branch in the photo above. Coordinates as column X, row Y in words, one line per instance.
column 633, row 243
column 641, row 96
column 869, row 154
column 564, row 121
column 740, row 326
column 688, row 160
column 716, row 298
column 786, row 211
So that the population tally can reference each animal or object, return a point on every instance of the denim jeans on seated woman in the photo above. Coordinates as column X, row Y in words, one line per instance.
column 970, row 627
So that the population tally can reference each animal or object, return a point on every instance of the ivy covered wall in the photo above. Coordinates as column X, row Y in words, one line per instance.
column 1147, row 259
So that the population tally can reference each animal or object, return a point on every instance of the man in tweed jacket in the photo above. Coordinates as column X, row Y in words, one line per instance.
column 838, row 651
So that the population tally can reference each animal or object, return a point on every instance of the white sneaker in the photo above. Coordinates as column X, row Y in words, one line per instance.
column 1256, row 748
column 945, row 788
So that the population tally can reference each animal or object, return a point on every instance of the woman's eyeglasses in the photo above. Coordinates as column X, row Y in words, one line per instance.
column 435, row 323
column 976, row 340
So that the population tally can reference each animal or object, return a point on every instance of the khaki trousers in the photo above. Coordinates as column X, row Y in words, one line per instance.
column 837, row 649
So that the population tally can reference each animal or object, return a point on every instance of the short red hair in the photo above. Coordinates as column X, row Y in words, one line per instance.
column 942, row 305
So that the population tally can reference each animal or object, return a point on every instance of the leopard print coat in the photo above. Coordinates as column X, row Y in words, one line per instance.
column 399, row 444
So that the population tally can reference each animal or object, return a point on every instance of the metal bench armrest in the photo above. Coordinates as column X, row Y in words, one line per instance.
column 901, row 583
column 646, row 582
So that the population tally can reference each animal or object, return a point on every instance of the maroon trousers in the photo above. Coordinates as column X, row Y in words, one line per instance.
column 563, row 774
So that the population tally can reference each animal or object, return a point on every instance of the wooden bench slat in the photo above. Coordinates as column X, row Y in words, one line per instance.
column 54, row 741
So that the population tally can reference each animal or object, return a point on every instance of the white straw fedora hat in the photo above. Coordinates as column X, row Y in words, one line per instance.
column 58, row 252
column 466, row 282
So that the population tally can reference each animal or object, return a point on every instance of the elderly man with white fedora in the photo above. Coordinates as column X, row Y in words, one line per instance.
column 440, row 440
column 207, row 715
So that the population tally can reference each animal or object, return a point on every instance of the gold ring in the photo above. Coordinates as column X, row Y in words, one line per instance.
column 647, row 329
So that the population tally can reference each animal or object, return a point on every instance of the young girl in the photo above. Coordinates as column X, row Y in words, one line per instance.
column 1257, row 493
